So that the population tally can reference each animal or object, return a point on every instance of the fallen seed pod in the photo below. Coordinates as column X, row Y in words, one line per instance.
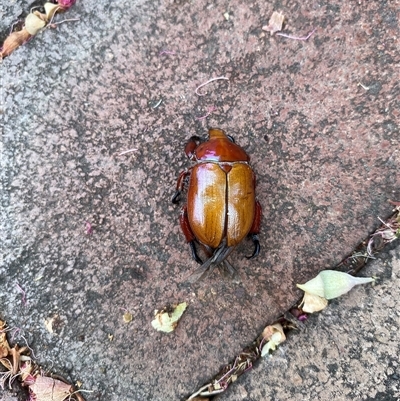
column 331, row 284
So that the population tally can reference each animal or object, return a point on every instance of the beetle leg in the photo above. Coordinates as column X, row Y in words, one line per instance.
column 254, row 230
column 193, row 251
column 179, row 186
column 187, row 232
column 191, row 146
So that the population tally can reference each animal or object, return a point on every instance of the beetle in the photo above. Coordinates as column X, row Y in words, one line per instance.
column 221, row 208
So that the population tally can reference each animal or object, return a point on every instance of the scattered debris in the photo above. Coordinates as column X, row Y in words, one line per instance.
column 157, row 104
column 167, row 52
column 206, row 83
column 127, row 317
column 167, row 319
column 303, row 38
column 23, row 293
column 88, row 228
column 363, row 86
column 210, row 110
column 275, row 23
column 20, row 365
column 127, row 151
column 54, row 324
column 34, row 23
column 273, row 335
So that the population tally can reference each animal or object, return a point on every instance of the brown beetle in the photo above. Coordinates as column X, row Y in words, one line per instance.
column 221, row 205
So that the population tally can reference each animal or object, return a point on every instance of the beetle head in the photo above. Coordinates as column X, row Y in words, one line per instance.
column 219, row 147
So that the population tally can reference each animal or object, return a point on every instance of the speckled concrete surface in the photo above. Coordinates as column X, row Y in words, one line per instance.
column 325, row 150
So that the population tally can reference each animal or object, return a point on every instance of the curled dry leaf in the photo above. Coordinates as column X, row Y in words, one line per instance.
column 275, row 23
column 313, row 303
column 331, row 284
column 274, row 335
column 13, row 41
column 167, row 319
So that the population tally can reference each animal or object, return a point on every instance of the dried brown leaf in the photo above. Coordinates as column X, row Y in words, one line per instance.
column 13, row 41
column 49, row 389
column 4, row 346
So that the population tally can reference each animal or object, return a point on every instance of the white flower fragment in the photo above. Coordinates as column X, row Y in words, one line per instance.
column 274, row 336
column 34, row 23
column 275, row 23
column 313, row 303
column 331, row 284
column 166, row 320
column 50, row 9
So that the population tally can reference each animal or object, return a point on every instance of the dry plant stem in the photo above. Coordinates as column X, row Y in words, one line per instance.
column 302, row 38
column 127, row 151
column 206, row 83
column 168, row 52
column 244, row 361
column 66, row 20
column 23, row 293
column 157, row 104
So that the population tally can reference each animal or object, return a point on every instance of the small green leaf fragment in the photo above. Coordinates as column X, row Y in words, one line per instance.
column 127, row 317
column 167, row 320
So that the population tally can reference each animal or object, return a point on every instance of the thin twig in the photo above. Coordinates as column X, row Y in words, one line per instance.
column 127, row 151
column 157, row 104
column 206, row 83
column 23, row 293
column 67, row 20
column 303, row 38
column 168, row 52
column 30, row 349
column 363, row 86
